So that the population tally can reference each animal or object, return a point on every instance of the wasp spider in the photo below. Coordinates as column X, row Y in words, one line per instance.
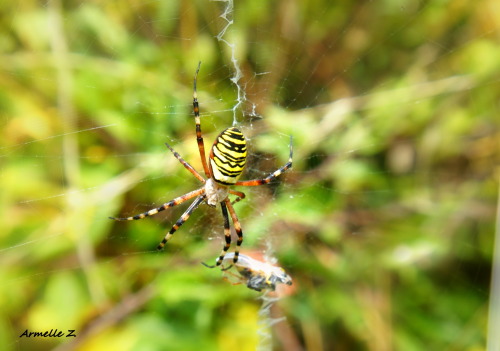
column 225, row 165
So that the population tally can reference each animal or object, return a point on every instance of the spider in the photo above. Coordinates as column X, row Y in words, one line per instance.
column 222, row 170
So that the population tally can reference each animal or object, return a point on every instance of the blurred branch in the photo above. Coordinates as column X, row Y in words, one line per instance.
column 128, row 305
column 76, row 223
column 333, row 114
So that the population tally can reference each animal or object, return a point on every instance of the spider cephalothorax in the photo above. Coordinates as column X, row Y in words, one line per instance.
column 225, row 164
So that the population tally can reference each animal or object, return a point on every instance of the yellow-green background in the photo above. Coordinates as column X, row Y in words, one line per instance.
column 385, row 223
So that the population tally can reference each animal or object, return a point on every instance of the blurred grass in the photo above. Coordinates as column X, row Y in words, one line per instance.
column 385, row 222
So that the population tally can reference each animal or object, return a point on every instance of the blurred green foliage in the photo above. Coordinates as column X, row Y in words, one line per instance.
column 385, row 222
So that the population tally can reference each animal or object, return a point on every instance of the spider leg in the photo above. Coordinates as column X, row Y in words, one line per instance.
column 271, row 176
column 172, row 203
column 214, row 265
column 239, row 194
column 186, row 164
column 199, row 136
column 237, row 228
column 181, row 220
column 227, row 234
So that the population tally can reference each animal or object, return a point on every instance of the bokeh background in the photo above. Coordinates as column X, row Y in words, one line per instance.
column 386, row 222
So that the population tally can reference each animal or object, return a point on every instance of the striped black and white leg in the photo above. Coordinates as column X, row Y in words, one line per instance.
column 181, row 221
column 275, row 174
column 186, row 164
column 227, row 234
column 172, row 203
column 237, row 228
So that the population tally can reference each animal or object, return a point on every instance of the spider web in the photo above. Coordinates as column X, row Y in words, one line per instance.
column 63, row 176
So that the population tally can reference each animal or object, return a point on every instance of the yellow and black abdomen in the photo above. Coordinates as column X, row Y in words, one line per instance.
column 228, row 156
